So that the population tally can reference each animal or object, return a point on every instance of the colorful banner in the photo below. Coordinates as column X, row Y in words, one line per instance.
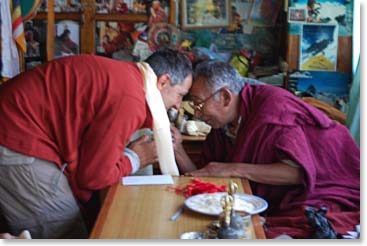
column 17, row 25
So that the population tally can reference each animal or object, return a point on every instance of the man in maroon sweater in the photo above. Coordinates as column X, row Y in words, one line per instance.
column 293, row 155
column 63, row 130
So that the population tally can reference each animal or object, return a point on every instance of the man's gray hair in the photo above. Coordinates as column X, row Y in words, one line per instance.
column 219, row 74
column 173, row 62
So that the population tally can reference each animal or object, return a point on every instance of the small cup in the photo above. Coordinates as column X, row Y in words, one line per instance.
column 192, row 235
column 247, row 221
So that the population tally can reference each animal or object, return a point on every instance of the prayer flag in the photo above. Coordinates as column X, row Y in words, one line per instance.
column 17, row 25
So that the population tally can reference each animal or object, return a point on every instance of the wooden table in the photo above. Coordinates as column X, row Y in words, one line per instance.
column 143, row 212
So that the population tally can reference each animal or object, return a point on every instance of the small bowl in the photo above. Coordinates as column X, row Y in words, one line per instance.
column 192, row 235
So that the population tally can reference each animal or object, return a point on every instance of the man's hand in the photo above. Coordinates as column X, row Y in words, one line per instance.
column 184, row 162
column 176, row 138
column 272, row 173
column 145, row 149
column 7, row 236
column 214, row 169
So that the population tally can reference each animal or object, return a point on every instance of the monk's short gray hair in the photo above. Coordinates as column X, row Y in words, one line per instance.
column 219, row 74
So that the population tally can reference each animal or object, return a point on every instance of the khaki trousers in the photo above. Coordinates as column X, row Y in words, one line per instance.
column 35, row 195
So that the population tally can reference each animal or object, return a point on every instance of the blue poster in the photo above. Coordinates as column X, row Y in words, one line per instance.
column 318, row 47
column 338, row 12
column 329, row 87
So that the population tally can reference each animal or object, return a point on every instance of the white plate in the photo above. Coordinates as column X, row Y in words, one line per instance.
column 209, row 203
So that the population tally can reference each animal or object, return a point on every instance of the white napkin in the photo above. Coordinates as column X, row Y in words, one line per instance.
column 148, row 180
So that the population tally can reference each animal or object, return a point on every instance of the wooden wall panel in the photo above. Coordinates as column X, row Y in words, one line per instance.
column 88, row 30
column 50, row 30
column 293, row 51
column 345, row 55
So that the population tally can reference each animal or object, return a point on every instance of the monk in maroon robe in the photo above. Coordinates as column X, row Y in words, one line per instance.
column 293, row 155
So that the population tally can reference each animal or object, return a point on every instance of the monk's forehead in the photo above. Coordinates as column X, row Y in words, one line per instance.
column 199, row 88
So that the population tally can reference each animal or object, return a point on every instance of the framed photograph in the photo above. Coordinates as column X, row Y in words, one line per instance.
column 158, row 12
column 318, row 47
column 329, row 87
column 163, row 35
column 297, row 15
column 67, row 37
column 36, row 43
column 203, row 14
column 240, row 12
column 243, row 8
column 328, row 12
column 114, row 39
column 264, row 12
column 121, row 6
column 65, row 6
column 32, row 38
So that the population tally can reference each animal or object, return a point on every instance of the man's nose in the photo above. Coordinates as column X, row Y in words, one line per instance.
column 178, row 104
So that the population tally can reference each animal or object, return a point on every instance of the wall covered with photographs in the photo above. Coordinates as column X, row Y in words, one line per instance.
column 114, row 28
column 322, row 14
column 338, row 12
column 263, row 39
column 224, row 27
column 254, row 30
column 302, row 45
column 132, row 29
column 320, row 49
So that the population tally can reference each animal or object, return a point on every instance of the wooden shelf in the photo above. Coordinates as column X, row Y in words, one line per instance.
column 98, row 17
column 193, row 138
column 126, row 17
column 59, row 16
column 87, row 18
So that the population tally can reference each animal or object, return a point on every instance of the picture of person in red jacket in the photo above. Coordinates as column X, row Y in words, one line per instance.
column 64, row 129
column 108, row 46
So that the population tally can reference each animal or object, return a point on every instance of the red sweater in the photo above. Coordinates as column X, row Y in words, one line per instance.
column 81, row 110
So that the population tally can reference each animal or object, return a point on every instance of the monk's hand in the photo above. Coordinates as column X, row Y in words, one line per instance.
column 214, row 169
column 7, row 236
column 145, row 148
column 176, row 138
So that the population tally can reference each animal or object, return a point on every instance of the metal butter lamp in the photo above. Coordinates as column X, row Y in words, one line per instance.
column 231, row 224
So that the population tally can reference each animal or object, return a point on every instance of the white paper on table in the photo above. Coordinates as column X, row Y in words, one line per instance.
column 147, row 180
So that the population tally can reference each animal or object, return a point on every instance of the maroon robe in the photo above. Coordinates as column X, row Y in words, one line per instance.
column 276, row 126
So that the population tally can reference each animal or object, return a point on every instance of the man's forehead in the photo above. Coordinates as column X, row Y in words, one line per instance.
column 184, row 87
column 198, row 90
column 183, row 90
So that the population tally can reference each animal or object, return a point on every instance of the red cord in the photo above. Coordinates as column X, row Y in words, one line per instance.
column 198, row 186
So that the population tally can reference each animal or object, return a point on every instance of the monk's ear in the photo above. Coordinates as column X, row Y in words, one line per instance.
column 226, row 96
column 163, row 81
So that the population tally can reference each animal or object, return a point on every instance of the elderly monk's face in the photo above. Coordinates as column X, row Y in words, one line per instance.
column 207, row 103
